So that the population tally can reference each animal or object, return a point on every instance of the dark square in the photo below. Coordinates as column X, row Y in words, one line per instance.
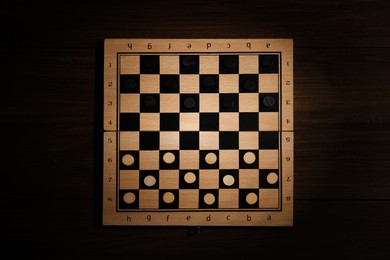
column 189, row 64
column 242, row 198
column 244, row 165
column 167, row 166
column 169, row 84
column 202, row 203
column 149, row 140
column 268, row 140
column 150, row 103
column 209, row 83
column 149, row 64
column 228, row 102
column 163, row 204
column 202, row 159
column 233, row 173
column 134, row 166
column 123, row 204
column 268, row 63
column 189, row 102
column 169, row 121
column 263, row 184
column 143, row 174
column 228, row 140
column 249, row 83
column 249, row 121
column 185, row 185
column 228, row 64
column 189, row 140
column 269, row 102
column 209, row 121
column 129, row 83
column 129, row 122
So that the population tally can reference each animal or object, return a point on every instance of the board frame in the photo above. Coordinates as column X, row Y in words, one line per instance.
column 113, row 217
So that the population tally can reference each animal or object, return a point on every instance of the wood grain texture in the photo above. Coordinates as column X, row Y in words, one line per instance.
column 51, row 109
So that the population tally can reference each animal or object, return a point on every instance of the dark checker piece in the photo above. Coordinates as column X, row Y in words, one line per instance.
column 189, row 64
column 150, row 103
column 269, row 63
column 209, row 83
column 228, row 102
column 129, row 83
column 268, row 102
column 249, row 83
column 228, row 64
column 150, row 64
column 189, row 103
column 169, row 83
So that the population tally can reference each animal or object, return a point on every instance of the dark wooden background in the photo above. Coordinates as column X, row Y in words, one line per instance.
column 51, row 112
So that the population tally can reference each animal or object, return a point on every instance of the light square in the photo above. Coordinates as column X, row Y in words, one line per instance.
column 208, row 179
column 249, row 179
column 128, row 140
column 129, row 179
column 189, row 83
column 169, row 179
column 248, row 102
column 188, row 199
column 189, row 121
column 209, row 102
column 209, row 140
column 169, row 64
column 248, row 140
column 228, row 122
column 189, row 159
column 249, row 64
column 169, row 103
column 269, row 198
column 229, row 159
column 149, row 121
column 208, row 64
column 228, row 199
column 268, row 121
column 228, row 83
column 268, row 83
column 129, row 103
column 169, row 140
column 268, row 159
column 148, row 199
column 149, row 160
column 149, row 83
column 129, row 64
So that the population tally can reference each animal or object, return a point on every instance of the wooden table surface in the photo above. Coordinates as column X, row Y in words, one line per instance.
column 51, row 118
